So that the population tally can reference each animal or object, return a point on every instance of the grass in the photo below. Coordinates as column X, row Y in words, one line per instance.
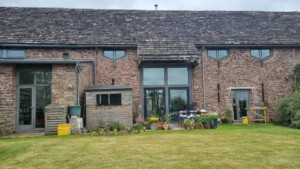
column 229, row 146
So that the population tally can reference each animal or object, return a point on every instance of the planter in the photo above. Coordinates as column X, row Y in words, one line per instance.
column 153, row 127
column 165, row 126
column 198, row 126
column 215, row 123
column 153, row 120
column 171, row 126
column 160, row 127
column 207, row 126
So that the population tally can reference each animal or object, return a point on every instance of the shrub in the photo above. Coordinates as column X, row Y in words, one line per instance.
column 296, row 120
column 288, row 109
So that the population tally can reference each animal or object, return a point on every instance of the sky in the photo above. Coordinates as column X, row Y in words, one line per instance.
column 198, row 5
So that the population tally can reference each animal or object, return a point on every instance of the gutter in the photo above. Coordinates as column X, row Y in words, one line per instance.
column 248, row 46
column 68, row 45
column 43, row 61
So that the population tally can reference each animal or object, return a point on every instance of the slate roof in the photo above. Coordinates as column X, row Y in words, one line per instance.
column 154, row 32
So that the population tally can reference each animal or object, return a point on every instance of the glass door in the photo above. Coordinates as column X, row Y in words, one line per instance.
column 240, row 103
column 154, row 102
column 25, row 108
column 34, row 93
column 178, row 100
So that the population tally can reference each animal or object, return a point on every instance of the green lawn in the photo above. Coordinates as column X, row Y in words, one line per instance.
column 229, row 146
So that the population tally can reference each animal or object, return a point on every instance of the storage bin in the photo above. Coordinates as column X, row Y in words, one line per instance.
column 63, row 129
column 245, row 120
column 74, row 111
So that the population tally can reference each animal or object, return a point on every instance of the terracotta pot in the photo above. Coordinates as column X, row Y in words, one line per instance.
column 165, row 126
column 160, row 127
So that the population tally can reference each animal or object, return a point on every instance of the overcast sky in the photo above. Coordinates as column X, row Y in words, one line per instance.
column 241, row 5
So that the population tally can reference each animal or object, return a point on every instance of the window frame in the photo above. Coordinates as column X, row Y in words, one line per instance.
column 217, row 53
column 114, row 54
column 260, row 53
column 109, row 102
column 4, row 54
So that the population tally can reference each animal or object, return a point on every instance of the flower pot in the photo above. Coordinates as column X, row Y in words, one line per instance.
column 160, row 127
column 165, row 126
column 171, row 126
column 198, row 126
column 153, row 127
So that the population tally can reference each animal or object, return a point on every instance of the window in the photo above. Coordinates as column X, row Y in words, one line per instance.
column 12, row 54
column 114, row 54
column 217, row 54
column 109, row 99
column 260, row 53
column 153, row 76
column 178, row 76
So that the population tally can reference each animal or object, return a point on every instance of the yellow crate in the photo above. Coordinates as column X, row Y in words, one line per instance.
column 63, row 129
column 245, row 120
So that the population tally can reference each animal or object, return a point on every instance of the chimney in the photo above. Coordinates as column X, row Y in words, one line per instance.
column 156, row 7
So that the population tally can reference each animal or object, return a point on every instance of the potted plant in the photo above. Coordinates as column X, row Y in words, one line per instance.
column 198, row 125
column 188, row 124
column 153, row 119
column 205, row 121
column 169, row 121
column 226, row 117
column 160, row 124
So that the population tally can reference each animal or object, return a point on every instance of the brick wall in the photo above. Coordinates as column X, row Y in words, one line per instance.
column 121, row 113
column 63, row 89
column 241, row 70
column 64, row 76
column 8, row 95
column 126, row 72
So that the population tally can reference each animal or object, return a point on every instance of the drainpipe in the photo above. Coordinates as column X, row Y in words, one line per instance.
column 95, row 66
column 203, row 81
column 78, row 83
column 295, row 77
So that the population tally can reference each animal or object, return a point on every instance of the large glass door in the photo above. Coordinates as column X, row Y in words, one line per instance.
column 240, row 103
column 25, row 108
column 34, row 93
column 154, row 102
column 178, row 100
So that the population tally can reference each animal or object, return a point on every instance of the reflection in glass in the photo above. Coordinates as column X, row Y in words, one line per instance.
column 153, row 76
column 222, row 54
column 260, row 53
column 16, row 53
column 26, row 77
column 255, row 53
column 120, row 54
column 212, row 53
column 154, row 102
column 43, row 77
column 43, row 97
column 109, row 54
column 25, row 114
column 265, row 53
column 217, row 54
column 178, row 99
column 178, row 76
column 240, row 103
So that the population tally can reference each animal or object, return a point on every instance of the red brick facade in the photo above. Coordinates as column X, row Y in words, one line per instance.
column 238, row 70
column 8, row 95
column 126, row 71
